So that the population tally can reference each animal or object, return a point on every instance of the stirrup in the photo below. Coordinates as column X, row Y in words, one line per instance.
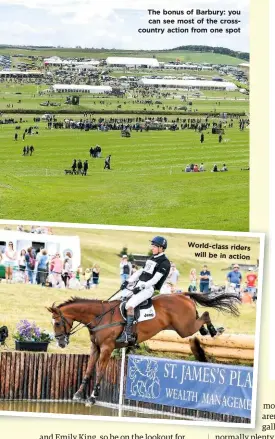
column 123, row 338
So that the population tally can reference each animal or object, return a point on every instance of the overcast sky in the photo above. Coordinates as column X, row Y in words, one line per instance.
column 108, row 23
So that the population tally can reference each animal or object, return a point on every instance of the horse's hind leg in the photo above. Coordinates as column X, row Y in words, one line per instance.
column 212, row 330
column 203, row 330
column 80, row 394
column 195, row 325
column 104, row 357
column 197, row 350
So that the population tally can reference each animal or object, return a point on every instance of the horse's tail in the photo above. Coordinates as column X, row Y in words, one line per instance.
column 225, row 302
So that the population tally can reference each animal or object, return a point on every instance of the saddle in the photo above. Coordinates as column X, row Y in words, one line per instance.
column 144, row 311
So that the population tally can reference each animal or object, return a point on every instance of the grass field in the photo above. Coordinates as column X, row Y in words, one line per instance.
column 146, row 185
column 169, row 55
column 101, row 246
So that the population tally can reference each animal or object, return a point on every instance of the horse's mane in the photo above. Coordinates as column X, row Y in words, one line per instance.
column 73, row 300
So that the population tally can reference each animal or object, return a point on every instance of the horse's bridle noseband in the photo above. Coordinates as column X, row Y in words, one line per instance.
column 93, row 328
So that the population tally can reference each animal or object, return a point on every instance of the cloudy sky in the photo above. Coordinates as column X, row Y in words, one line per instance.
column 109, row 23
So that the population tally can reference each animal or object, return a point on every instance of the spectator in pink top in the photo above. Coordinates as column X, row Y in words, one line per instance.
column 56, row 268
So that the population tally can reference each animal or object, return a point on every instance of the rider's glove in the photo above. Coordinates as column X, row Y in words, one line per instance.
column 136, row 290
column 124, row 285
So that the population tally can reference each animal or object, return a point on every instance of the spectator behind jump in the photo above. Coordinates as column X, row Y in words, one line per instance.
column 125, row 268
column 30, row 260
column 74, row 283
column 95, row 274
column 193, row 280
column 22, row 265
column 251, row 279
column 43, row 268
column 173, row 276
column 56, row 268
column 87, row 278
column 204, row 280
column 235, row 277
column 10, row 258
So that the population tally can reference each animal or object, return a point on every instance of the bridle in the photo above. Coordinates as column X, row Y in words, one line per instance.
column 95, row 327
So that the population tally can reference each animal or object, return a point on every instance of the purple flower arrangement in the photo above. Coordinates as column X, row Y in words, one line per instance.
column 29, row 331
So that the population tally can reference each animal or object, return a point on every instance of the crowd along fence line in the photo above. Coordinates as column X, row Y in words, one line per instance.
column 56, row 377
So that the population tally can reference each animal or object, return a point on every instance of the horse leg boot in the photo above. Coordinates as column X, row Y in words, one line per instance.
column 127, row 335
column 203, row 331
column 211, row 328
column 80, row 394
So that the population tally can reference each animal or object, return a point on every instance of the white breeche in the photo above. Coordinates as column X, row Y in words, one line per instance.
column 136, row 299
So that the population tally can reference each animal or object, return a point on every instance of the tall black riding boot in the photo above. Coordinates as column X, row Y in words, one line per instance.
column 127, row 335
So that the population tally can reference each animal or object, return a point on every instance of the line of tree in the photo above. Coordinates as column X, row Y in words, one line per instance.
column 221, row 50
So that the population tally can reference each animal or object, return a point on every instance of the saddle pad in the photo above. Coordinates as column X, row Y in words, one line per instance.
column 145, row 311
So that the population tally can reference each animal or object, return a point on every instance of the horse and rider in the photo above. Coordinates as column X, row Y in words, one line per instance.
column 105, row 320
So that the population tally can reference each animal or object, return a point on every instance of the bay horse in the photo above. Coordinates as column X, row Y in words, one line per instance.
column 104, row 322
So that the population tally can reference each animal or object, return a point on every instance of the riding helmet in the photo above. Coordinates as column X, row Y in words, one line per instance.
column 159, row 241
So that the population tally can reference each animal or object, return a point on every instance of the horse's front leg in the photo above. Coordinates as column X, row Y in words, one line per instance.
column 80, row 394
column 104, row 357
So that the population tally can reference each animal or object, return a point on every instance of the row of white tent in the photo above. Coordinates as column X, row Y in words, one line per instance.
column 146, row 82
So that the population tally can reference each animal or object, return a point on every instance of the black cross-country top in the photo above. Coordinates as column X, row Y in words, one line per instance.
column 156, row 264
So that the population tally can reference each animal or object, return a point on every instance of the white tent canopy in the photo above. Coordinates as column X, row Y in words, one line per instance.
column 131, row 62
column 189, row 83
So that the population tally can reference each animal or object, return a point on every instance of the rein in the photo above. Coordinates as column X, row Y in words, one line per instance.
column 94, row 328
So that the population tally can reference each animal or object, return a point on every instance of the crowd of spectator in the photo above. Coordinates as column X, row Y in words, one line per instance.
column 32, row 266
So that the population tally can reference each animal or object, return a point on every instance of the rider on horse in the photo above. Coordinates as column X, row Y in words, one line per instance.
column 142, row 285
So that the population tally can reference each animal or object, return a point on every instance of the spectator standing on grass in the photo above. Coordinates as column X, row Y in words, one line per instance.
column 31, row 149
column 30, row 260
column 251, row 279
column 204, row 280
column 10, row 258
column 22, row 265
column 16, row 136
column 85, row 167
column 37, row 259
column 202, row 137
column 95, row 274
column 79, row 166
column 173, row 276
column 66, row 271
column 235, row 277
column 192, row 280
column 56, row 268
column 125, row 268
column 23, row 137
column 107, row 164
column 43, row 268
column 74, row 166
column 87, row 278
column 220, row 138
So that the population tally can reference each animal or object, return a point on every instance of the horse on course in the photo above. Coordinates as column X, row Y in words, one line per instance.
column 105, row 323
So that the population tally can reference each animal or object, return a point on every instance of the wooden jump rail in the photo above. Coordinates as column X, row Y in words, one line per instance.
column 29, row 376
column 226, row 347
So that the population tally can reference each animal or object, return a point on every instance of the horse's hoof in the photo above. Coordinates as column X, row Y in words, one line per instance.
column 220, row 330
column 78, row 397
column 90, row 402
